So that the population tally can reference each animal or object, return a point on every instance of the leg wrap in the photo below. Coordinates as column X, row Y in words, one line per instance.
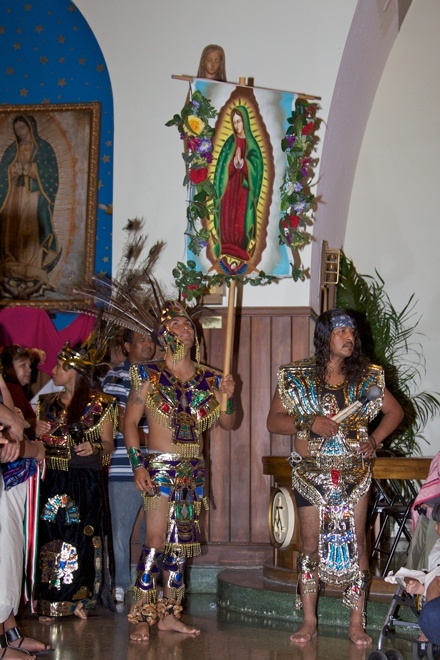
column 148, row 571
column 141, row 612
column 307, row 578
column 353, row 592
column 167, row 606
column 174, row 575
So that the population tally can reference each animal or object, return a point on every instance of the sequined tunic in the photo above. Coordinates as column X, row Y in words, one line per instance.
column 187, row 408
column 72, row 524
column 333, row 476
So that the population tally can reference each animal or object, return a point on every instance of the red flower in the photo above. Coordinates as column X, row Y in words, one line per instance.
column 198, row 176
column 193, row 143
column 308, row 128
column 294, row 221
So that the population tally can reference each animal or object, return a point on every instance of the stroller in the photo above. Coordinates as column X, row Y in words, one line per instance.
column 420, row 546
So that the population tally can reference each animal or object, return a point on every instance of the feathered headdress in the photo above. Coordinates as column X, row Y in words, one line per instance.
column 133, row 298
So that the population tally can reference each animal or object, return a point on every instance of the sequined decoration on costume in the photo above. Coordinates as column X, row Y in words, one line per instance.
column 337, row 546
column 58, row 562
column 183, row 481
column 174, row 565
column 56, row 502
column 149, row 570
column 187, row 408
column 333, row 476
column 306, row 569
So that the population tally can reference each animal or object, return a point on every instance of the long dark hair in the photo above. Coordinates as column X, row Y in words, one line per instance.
column 354, row 366
column 80, row 399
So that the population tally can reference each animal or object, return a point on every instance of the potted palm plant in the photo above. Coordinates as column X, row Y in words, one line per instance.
column 390, row 339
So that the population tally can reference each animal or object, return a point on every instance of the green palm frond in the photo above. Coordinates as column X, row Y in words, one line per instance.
column 391, row 338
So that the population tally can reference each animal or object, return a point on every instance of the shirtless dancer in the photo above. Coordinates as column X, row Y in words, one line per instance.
column 181, row 399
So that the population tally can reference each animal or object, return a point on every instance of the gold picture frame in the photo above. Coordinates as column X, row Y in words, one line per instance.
column 49, row 158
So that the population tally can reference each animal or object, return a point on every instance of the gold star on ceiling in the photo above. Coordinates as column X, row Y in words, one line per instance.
column 24, row 92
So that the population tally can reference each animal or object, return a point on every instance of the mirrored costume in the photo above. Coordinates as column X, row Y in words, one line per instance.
column 333, row 476
column 187, row 408
column 72, row 522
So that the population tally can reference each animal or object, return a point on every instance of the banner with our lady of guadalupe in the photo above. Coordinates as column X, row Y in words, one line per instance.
column 245, row 164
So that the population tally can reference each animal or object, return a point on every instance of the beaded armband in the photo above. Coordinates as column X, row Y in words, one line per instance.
column 230, row 406
column 135, row 457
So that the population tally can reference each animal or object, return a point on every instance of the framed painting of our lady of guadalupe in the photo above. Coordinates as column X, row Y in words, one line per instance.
column 49, row 157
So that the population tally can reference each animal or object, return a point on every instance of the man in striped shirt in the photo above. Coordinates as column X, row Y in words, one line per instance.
column 125, row 499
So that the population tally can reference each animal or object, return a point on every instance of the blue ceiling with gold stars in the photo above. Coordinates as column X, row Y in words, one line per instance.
column 49, row 54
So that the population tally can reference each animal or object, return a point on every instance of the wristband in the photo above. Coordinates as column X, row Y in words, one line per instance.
column 97, row 447
column 374, row 440
column 230, row 407
column 135, row 457
column 305, row 423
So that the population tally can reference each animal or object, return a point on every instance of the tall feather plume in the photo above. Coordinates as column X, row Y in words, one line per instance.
column 133, row 298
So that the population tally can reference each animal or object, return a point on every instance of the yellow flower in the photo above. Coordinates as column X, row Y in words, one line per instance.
column 195, row 124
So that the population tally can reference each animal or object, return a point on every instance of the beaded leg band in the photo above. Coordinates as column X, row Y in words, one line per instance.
column 167, row 606
column 306, row 569
column 174, row 575
column 149, row 570
column 353, row 592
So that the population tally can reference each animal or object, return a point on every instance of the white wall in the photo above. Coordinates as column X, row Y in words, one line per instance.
column 286, row 44
column 293, row 45
column 394, row 223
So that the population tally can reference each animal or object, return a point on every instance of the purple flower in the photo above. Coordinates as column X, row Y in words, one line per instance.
column 208, row 157
column 291, row 139
column 196, row 104
column 299, row 207
column 297, row 187
column 204, row 146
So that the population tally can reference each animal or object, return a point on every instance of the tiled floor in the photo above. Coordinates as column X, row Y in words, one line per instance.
column 224, row 636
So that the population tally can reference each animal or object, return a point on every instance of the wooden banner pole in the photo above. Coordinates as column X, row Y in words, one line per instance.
column 229, row 339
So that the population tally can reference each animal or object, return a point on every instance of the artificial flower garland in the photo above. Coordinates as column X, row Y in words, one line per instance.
column 296, row 200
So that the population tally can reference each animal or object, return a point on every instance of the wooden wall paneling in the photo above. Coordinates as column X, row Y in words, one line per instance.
column 281, row 351
column 301, row 347
column 219, row 458
column 241, row 436
column 260, row 362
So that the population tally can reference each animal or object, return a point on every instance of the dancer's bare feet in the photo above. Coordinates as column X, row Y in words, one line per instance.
column 306, row 633
column 80, row 611
column 15, row 654
column 171, row 623
column 141, row 633
column 358, row 635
